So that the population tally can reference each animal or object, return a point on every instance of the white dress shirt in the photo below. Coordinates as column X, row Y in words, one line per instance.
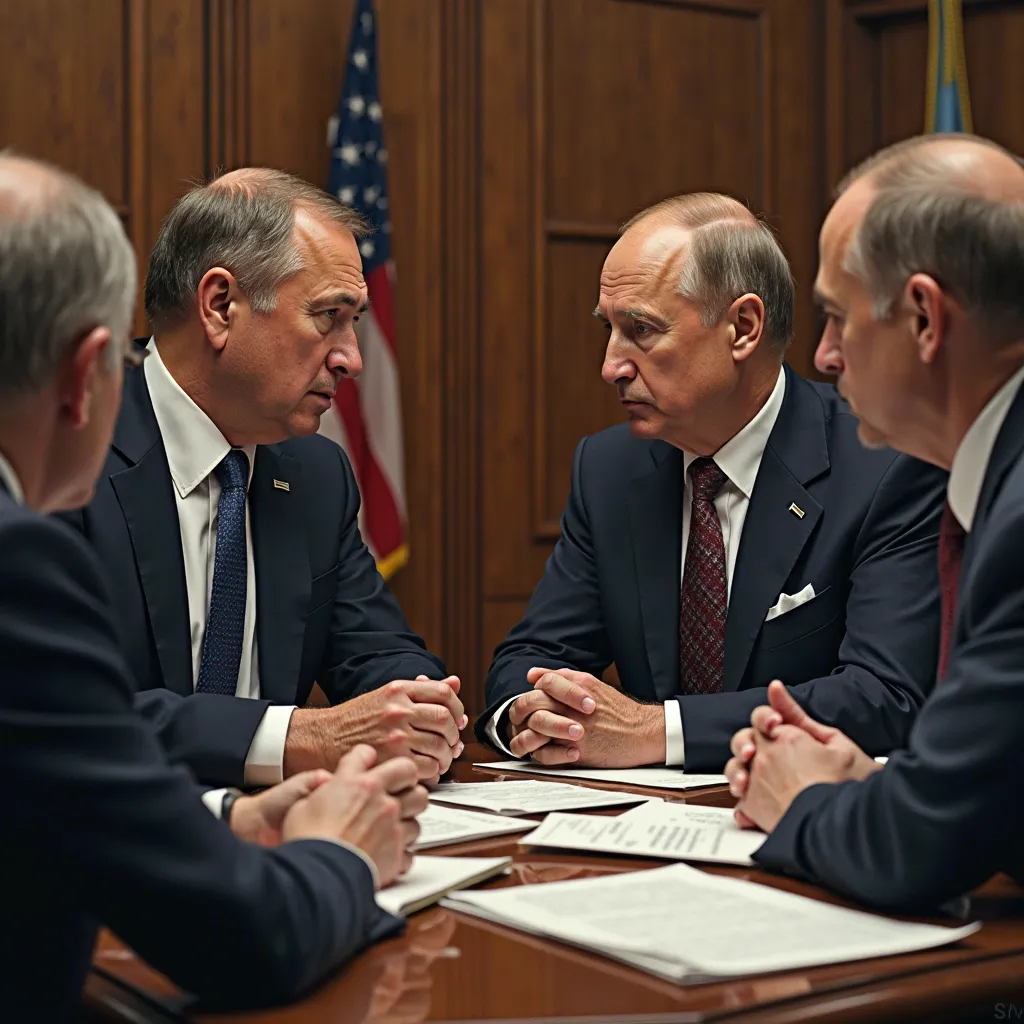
column 739, row 459
column 10, row 480
column 970, row 463
column 195, row 447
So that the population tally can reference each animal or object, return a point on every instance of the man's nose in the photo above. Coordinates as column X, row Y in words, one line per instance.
column 615, row 367
column 346, row 359
column 827, row 357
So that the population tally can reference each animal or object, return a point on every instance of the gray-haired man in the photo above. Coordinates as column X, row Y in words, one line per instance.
column 228, row 528
column 922, row 258
column 735, row 531
column 98, row 827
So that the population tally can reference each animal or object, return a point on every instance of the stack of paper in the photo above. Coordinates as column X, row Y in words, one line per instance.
column 684, row 925
column 688, row 833
column 430, row 878
column 528, row 796
column 440, row 826
column 653, row 778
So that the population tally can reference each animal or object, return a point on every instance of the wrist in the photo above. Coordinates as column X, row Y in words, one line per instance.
column 242, row 815
column 306, row 745
column 650, row 731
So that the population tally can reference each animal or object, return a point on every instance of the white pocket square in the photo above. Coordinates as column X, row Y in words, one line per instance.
column 787, row 602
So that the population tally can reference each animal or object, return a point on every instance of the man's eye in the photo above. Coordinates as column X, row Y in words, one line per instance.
column 329, row 313
column 641, row 330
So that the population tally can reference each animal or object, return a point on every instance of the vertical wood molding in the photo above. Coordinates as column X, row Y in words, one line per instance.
column 228, row 85
column 460, row 142
column 834, row 127
column 137, row 149
column 767, row 55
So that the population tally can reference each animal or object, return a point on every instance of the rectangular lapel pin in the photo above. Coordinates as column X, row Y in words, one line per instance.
column 794, row 508
column 283, row 485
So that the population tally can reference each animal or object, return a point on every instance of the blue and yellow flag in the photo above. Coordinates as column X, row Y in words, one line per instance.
column 948, row 103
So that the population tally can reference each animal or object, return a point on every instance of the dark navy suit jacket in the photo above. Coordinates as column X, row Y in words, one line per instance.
column 100, row 829
column 944, row 814
column 860, row 655
column 323, row 613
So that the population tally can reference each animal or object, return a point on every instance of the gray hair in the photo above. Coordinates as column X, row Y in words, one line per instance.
column 66, row 267
column 731, row 253
column 243, row 223
column 927, row 218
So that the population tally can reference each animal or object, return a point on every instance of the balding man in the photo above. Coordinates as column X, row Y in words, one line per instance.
column 99, row 828
column 228, row 528
column 733, row 532
column 922, row 258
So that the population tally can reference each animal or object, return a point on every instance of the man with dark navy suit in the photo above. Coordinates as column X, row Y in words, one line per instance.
column 733, row 532
column 99, row 827
column 228, row 528
column 922, row 258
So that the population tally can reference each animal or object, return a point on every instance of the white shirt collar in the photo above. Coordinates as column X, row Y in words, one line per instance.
column 740, row 457
column 972, row 456
column 10, row 480
column 194, row 444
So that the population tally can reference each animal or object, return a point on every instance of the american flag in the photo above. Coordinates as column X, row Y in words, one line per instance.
column 367, row 418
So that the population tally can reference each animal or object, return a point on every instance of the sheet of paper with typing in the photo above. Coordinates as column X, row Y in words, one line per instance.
column 528, row 796
column 653, row 778
column 430, row 878
column 440, row 825
column 696, row 837
column 682, row 924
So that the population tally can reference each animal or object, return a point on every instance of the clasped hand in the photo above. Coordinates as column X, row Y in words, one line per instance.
column 573, row 718
column 781, row 753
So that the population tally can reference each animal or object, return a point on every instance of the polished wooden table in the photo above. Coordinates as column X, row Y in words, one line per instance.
column 448, row 967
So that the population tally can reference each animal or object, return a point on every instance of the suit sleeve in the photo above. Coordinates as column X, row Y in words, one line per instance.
column 124, row 833
column 211, row 733
column 563, row 625
column 887, row 660
column 370, row 641
column 943, row 815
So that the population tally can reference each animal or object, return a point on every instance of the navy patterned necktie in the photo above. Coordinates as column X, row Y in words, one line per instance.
column 225, row 621
column 951, row 553
column 703, row 603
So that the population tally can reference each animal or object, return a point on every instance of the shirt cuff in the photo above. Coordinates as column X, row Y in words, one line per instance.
column 675, row 748
column 264, row 764
column 214, row 800
column 361, row 855
column 491, row 729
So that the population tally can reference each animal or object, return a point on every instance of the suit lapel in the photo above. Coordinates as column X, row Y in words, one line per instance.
column 282, row 570
column 656, row 527
column 146, row 496
column 773, row 534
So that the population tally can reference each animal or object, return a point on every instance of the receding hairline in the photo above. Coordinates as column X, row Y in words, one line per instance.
column 27, row 183
column 692, row 210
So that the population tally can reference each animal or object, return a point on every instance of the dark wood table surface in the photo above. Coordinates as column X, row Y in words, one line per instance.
column 447, row 967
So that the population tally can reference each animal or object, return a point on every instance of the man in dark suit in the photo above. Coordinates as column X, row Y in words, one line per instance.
column 801, row 554
column 253, row 290
column 99, row 828
column 922, row 257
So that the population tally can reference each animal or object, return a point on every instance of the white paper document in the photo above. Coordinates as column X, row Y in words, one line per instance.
column 654, row 778
column 430, row 878
column 695, row 837
column 528, row 796
column 441, row 825
column 688, row 926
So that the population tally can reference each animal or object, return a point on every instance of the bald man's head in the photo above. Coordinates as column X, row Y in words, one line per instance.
column 720, row 251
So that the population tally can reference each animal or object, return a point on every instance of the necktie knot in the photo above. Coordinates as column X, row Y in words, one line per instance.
column 707, row 479
column 233, row 470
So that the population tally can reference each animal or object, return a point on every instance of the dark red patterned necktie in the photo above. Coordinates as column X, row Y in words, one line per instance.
column 951, row 553
column 703, row 603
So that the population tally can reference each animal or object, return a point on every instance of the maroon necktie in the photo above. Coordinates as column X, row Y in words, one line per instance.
column 703, row 603
column 951, row 553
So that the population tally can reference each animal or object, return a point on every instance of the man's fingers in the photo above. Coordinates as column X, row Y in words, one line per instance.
column 526, row 742
column 412, row 802
column 737, row 776
column 430, row 691
column 429, row 770
column 554, row 754
column 556, row 727
column 434, row 718
column 410, row 832
column 396, row 775
column 359, row 759
column 782, row 701
column 742, row 744
column 765, row 720
column 742, row 820
column 522, row 707
column 571, row 694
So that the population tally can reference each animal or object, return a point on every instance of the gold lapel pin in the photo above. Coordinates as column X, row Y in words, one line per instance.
column 283, row 485
column 794, row 508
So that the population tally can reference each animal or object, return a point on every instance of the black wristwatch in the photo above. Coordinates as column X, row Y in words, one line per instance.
column 230, row 796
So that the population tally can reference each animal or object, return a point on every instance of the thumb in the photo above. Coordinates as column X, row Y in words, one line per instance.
column 359, row 759
column 783, row 702
column 305, row 782
column 454, row 682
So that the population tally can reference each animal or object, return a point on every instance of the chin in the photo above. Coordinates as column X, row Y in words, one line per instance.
column 302, row 425
column 869, row 437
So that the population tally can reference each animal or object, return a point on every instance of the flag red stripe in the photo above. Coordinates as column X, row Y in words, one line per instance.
column 378, row 284
column 382, row 520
